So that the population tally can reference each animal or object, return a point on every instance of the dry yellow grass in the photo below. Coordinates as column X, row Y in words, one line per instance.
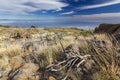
column 107, row 62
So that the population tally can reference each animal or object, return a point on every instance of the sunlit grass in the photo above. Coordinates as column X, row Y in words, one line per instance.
column 106, row 62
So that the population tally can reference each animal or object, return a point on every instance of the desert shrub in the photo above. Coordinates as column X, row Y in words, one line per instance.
column 106, row 60
column 86, row 33
column 13, row 51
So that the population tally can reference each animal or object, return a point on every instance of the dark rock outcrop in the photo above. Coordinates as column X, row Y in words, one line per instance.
column 111, row 29
column 108, row 28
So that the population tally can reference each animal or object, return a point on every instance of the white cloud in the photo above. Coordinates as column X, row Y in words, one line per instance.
column 26, row 6
column 65, row 13
column 100, row 5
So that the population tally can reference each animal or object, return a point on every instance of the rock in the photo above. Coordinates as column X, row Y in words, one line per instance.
column 21, row 70
column 51, row 78
column 108, row 28
column 16, row 62
column 33, row 26
column 112, row 29
column 27, row 71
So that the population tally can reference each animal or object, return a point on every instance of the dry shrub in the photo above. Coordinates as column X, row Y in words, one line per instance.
column 13, row 50
column 106, row 61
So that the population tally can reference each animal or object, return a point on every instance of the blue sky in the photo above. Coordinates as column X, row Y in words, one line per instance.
column 61, row 12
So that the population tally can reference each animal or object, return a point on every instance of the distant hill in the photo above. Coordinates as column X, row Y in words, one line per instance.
column 108, row 28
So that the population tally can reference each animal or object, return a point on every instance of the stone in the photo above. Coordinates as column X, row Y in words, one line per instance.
column 27, row 71
column 51, row 78
column 16, row 62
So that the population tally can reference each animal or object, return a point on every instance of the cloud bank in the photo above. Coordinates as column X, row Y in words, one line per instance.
column 96, row 18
